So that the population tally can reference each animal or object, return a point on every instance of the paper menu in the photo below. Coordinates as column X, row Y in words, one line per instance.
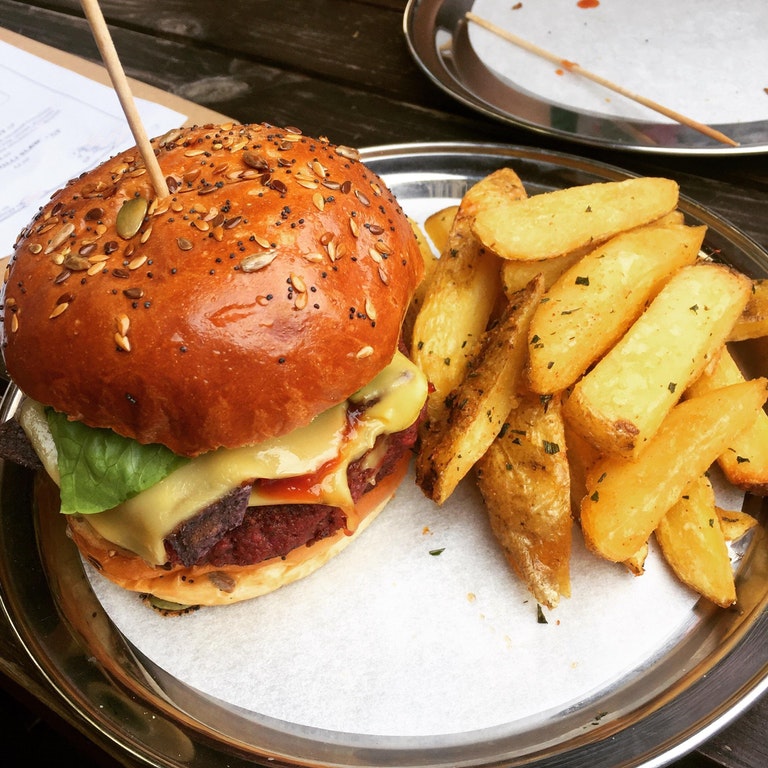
column 54, row 124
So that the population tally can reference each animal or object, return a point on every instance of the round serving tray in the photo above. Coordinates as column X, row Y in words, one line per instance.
column 707, row 671
column 438, row 36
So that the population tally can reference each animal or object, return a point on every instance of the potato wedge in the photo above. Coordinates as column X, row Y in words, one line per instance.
column 626, row 499
column 745, row 462
column 621, row 402
column 517, row 274
column 582, row 456
column 753, row 322
column 693, row 544
column 476, row 409
column 461, row 295
column 734, row 523
column 430, row 262
column 590, row 307
column 635, row 564
column 438, row 226
column 555, row 223
column 524, row 480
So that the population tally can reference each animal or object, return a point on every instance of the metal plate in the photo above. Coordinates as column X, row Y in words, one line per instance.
column 699, row 681
column 437, row 34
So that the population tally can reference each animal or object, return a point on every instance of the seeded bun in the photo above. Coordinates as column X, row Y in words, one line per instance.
column 270, row 285
column 222, row 585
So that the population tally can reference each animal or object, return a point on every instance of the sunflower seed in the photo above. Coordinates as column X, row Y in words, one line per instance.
column 257, row 261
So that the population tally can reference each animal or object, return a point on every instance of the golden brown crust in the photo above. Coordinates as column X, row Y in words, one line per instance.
column 277, row 261
column 212, row 585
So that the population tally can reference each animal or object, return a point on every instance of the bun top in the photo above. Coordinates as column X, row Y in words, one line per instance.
column 270, row 285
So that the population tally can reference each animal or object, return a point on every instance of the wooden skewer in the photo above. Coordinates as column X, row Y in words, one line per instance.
column 122, row 88
column 576, row 69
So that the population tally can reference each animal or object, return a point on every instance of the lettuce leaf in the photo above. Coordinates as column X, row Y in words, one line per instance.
column 100, row 469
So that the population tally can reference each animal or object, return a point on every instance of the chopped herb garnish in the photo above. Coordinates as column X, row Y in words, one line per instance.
column 436, row 552
column 540, row 617
column 694, row 308
column 742, row 460
column 582, row 280
column 672, row 386
column 550, row 448
column 595, row 497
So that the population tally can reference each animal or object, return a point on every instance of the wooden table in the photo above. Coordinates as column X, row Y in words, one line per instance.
column 341, row 68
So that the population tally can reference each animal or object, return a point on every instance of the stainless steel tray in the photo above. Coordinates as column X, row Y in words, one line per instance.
column 438, row 37
column 704, row 675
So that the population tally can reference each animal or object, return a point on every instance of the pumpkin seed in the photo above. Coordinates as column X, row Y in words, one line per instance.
column 130, row 217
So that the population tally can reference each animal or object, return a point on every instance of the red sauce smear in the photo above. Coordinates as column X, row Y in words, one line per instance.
column 588, row 3
column 304, row 489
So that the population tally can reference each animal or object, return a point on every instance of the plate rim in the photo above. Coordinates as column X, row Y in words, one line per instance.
column 420, row 29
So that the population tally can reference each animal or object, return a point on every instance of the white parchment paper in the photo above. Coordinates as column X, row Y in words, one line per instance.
column 391, row 638
column 706, row 59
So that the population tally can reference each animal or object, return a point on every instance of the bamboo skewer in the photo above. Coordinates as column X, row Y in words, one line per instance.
column 120, row 83
column 578, row 70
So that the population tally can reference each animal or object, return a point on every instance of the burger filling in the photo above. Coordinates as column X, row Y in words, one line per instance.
column 244, row 505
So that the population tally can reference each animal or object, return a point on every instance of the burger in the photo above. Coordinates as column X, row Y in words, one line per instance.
column 215, row 378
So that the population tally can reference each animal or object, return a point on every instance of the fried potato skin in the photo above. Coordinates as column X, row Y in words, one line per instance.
column 465, row 279
column 474, row 412
column 753, row 322
column 524, row 480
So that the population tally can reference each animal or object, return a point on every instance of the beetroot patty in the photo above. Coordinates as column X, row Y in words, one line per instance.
column 229, row 532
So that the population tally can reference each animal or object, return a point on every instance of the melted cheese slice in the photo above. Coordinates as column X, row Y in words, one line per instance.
column 323, row 450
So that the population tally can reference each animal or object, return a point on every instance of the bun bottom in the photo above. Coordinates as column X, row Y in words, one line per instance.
column 222, row 585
